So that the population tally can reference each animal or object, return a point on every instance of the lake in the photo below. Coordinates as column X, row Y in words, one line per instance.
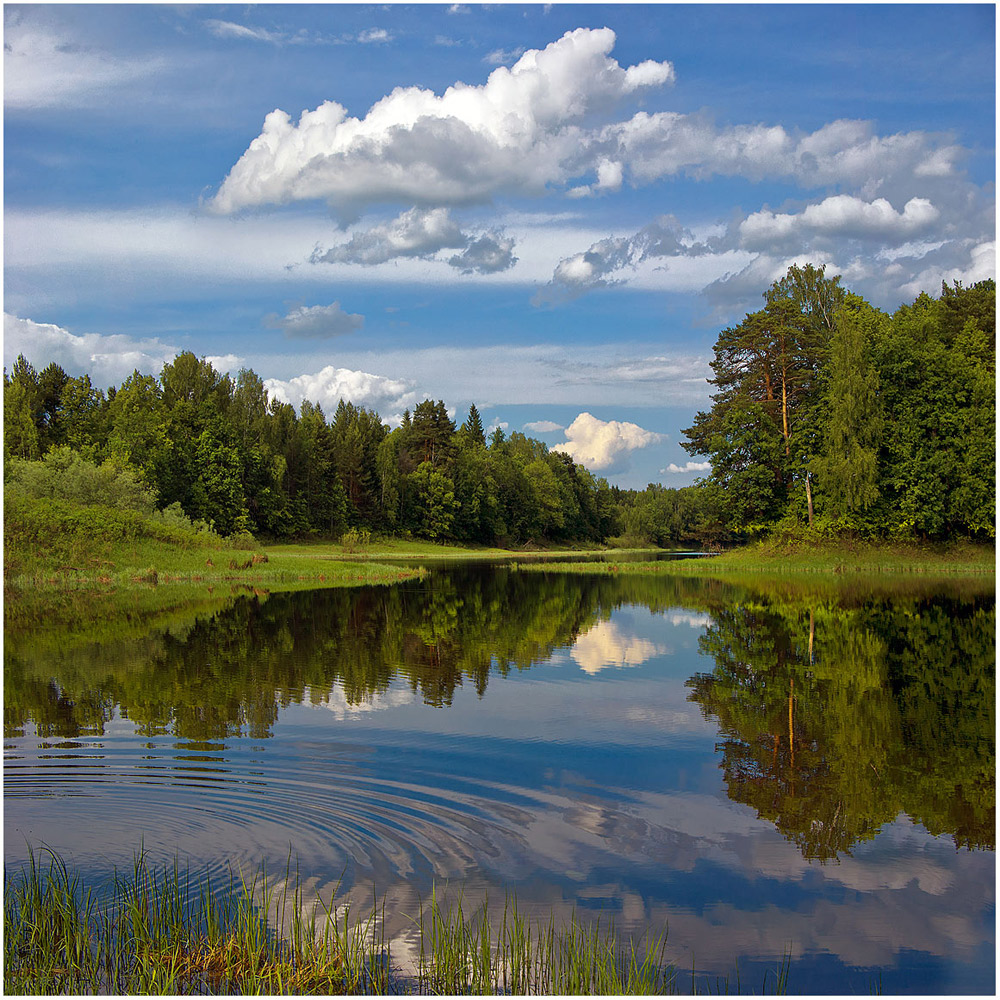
column 807, row 770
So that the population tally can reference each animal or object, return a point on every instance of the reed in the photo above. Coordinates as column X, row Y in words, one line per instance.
column 158, row 932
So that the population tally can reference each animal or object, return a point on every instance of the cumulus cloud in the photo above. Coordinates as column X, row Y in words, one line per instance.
column 842, row 216
column 374, row 35
column 45, row 68
column 604, row 445
column 316, row 321
column 543, row 426
column 330, row 385
column 980, row 263
column 487, row 254
column 674, row 468
column 421, row 233
column 519, row 132
column 607, row 261
column 415, row 233
column 107, row 358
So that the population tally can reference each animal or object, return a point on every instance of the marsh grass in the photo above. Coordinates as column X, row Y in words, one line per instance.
column 771, row 559
column 160, row 932
column 157, row 933
column 478, row 956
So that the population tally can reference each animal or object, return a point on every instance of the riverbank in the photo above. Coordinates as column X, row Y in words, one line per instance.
column 832, row 559
column 66, row 564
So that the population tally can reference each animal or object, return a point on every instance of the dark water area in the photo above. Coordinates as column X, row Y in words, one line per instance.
column 808, row 772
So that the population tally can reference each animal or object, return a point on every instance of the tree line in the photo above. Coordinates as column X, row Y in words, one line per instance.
column 827, row 413
column 238, row 461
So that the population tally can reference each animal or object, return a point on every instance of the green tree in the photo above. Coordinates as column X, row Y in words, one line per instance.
column 20, row 435
column 431, row 502
column 848, row 469
column 431, row 434
column 473, row 427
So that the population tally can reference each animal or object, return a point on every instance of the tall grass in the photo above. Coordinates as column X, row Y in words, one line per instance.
column 158, row 932
column 478, row 956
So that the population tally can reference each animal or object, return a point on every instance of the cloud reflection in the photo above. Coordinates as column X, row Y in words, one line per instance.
column 606, row 645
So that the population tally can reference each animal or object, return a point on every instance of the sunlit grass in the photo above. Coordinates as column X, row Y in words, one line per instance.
column 777, row 560
column 160, row 932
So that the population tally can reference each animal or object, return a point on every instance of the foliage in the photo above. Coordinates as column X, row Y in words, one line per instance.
column 65, row 475
column 826, row 412
column 830, row 412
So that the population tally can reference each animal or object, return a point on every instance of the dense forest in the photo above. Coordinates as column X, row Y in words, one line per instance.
column 827, row 414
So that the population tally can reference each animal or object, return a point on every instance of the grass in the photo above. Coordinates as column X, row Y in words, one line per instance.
column 158, row 932
column 776, row 560
column 416, row 548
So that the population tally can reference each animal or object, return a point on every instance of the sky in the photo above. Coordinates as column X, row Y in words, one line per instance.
column 550, row 211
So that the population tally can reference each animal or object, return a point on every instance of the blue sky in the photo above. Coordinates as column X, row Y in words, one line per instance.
column 550, row 211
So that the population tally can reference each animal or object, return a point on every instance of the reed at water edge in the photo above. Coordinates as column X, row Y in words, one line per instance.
column 160, row 932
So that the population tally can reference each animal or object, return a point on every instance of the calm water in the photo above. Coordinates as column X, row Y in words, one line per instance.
column 809, row 772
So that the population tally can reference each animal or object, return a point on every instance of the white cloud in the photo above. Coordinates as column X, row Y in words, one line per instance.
column 330, row 385
column 604, row 445
column 606, row 645
column 518, row 132
column 316, row 321
column 488, row 254
column 611, row 260
column 979, row 264
column 843, row 152
column 543, row 426
column 108, row 358
column 500, row 57
column 414, row 233
column 673, row 467
column 224, row 362
column 374, row 35
column 229, row 29
column 45, row 68
column 843, row 216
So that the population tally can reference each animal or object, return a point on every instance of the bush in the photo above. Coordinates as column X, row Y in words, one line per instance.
column 356, row 539
column 242, row 540
column 64, row 474
column 175, row 517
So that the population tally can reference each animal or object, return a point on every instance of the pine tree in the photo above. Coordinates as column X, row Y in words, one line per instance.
column 473, row 427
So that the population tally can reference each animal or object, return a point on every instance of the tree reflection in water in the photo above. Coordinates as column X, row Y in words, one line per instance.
column 837, row 708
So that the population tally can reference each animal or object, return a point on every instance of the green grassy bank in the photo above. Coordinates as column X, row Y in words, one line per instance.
column 65, row 563
column 783, row 560
column 163, row 932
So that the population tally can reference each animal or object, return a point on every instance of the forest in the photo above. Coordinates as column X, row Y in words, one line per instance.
column 828, row 416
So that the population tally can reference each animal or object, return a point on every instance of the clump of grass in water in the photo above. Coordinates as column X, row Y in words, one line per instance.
column 154, row 935
column 459, row 956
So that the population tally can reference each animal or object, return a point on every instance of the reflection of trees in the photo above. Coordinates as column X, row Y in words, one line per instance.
column 229, row 673
column 836, row 710
column 834, row 720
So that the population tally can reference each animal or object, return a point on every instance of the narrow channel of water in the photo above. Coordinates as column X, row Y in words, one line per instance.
column 807, row 772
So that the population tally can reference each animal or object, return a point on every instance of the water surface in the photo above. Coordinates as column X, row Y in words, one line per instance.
column 807, row 772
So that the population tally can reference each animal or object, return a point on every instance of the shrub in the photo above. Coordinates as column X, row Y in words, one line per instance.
column 64, row 474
